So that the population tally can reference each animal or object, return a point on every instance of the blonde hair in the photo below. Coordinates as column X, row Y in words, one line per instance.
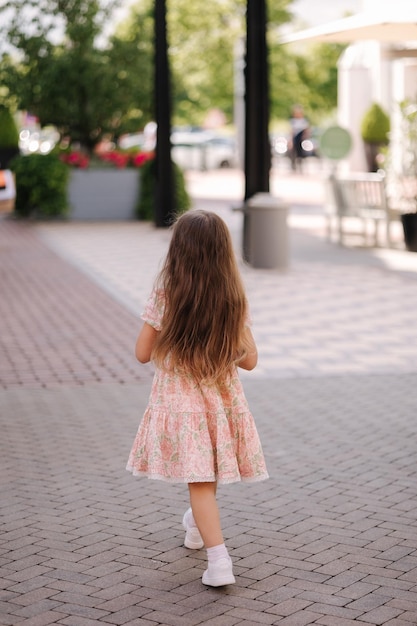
column 202, row 330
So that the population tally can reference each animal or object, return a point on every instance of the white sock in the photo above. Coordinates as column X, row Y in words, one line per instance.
column 217, row 552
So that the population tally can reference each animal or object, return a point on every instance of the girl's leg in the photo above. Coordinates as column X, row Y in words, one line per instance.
column 206, row 512
column 206, row 515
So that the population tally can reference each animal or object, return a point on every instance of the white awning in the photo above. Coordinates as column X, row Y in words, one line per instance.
column 386, row 28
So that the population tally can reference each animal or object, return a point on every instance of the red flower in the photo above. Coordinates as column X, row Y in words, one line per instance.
column 83, row 162
column 75, row 159
column 115, row 158
column 141, row 158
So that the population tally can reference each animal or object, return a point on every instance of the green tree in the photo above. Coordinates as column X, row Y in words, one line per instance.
column 201, row 55
column 132, row 53
column 316, row 71
column 202, row 47
column 75, row 84
column 284, row 81
column 68, row 74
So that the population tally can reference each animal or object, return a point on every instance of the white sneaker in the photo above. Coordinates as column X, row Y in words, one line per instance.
column 193, row 539
column 219, row 573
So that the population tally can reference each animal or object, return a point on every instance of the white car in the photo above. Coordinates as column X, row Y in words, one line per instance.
column 203, row 150
column 134, row 140
column 192, row 148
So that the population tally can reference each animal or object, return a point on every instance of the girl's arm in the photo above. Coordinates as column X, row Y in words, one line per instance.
column 145, row 343
column 249, row 361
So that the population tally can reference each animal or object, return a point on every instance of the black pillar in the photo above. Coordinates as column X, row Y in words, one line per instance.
column 257, row 146
column 164, row 178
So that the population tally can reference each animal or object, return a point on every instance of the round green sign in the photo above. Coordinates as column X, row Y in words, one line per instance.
column 335, row 142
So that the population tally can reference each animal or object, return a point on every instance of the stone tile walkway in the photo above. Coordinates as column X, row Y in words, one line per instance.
column 330, row 539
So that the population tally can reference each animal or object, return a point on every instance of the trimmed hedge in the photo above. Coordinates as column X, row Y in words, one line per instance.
column 146, row 205
column 41, row 186
column 375, row 125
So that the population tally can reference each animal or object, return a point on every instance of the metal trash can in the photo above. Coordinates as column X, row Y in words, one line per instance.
column 266, row 232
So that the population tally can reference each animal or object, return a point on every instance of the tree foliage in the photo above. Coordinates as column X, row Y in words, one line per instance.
column 9, row 137
column 317, row 78
column 132, row 53
column 203, row 51
column 67, row 73
column 76, row 84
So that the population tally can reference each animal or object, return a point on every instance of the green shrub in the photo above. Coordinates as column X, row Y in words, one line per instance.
column 375, row 125
column 41, row 186
column 9, row 136
column 146, row 205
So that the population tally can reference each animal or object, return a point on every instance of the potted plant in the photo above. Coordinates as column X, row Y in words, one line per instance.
column 105, row 185
column 375, row 128
column 116, row 185
column 408, row 176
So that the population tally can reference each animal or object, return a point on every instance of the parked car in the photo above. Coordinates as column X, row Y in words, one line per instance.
column 192, row 148
column 134, row 140
column 203, row 150
column 224, row 151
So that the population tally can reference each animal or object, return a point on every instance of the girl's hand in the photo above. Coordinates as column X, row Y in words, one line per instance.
column 145, row 343
column 249, row 361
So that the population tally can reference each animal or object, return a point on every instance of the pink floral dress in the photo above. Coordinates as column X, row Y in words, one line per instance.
column 193, row 432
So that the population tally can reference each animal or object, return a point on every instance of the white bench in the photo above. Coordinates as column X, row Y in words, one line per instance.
column 362, row 196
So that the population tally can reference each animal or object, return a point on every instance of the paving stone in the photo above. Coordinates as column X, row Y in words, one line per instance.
column 254, row 617
column 328, row 620
column 380, row 615
column 301, row 618
column 223, row 620
column 43, row 619
column 330, row 539
column 290, row 606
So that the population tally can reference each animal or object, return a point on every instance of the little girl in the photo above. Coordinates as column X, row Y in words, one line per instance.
column 197, row 427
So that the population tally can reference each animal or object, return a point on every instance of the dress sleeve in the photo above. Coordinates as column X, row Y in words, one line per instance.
column 154, row 309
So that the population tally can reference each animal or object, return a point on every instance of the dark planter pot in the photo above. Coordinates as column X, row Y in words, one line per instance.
column 372, row 151
column 409, row 221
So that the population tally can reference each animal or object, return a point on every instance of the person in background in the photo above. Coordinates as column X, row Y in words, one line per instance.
column 300, row 130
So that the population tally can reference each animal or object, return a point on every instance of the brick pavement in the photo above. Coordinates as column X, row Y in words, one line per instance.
column 57, row 326
column 330, row 539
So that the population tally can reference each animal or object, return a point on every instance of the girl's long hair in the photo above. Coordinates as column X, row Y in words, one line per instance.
column 202, row 331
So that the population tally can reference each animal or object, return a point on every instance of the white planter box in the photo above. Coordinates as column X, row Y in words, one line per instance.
column 103, row 194
column 7, row 191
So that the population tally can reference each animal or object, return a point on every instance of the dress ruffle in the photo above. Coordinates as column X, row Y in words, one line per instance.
column 191, row 447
